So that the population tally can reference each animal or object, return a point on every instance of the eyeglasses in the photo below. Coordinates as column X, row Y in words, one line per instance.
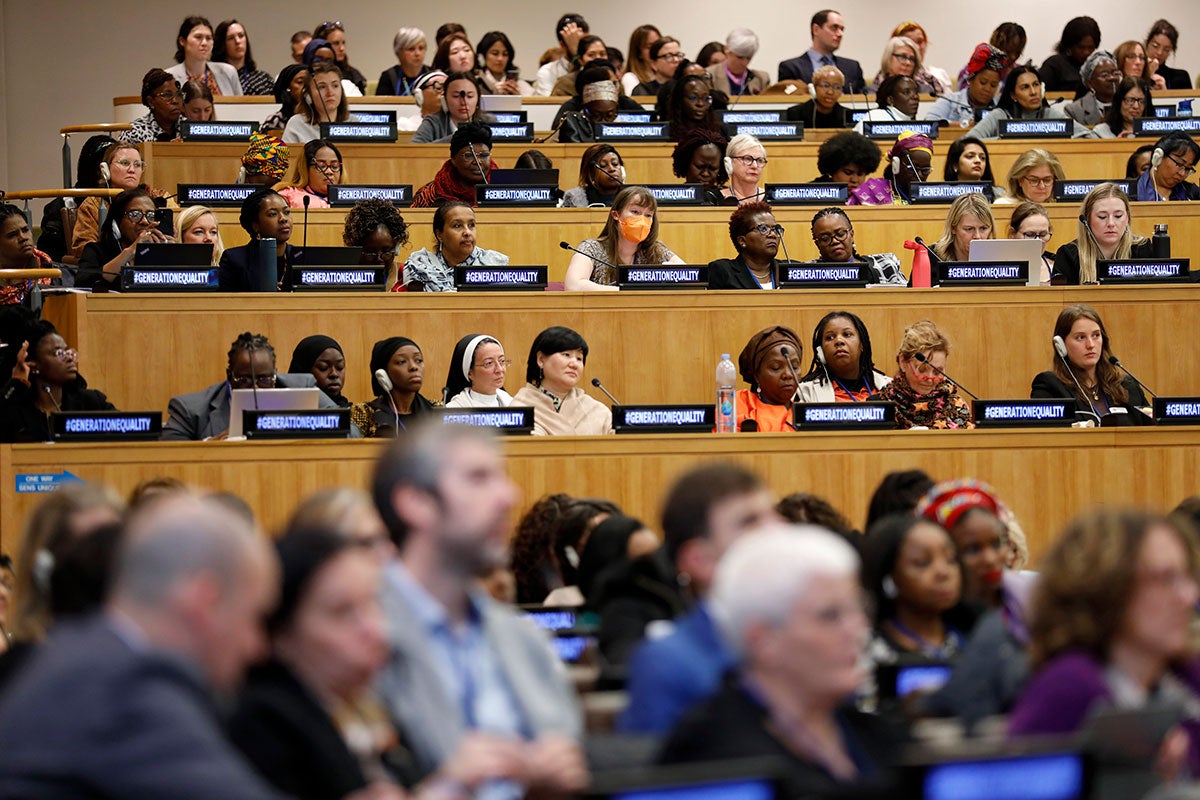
column 1042, row 182
column 670, row 57
column 126, row 163
column 904, row 58
column 66, row 354
column 136, row 216
column 1134, row 101
column 246, row 381
column 826, row 239
column 480, row 153
column 435, row 87
column 769, row 229
column 491, row 363
column 830, row 87
column 751, row 161
column 1180, row 166
column 378, row 256
column 327, row 166
column 1043, row 235
column 922, row 172
column 704, row 99
column 169, row 96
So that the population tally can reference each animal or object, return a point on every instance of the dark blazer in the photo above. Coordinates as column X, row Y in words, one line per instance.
column 807, row 113
column 204, row 414
column 1066, row 261
column 22, row 421
column 234, row 271
column 800, row 69
column 94, row 717
column 731, row 273
column 389, row 78
column 1175, row 78
column 1046, row 385
column 91, row 268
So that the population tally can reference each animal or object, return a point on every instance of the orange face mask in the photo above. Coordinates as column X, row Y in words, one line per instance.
column 636, row 229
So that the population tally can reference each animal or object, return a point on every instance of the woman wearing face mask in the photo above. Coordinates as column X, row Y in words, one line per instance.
column 1022, row 98
column 745, row 160
column 630, row 236
column 771, row 375
column 312, row 176
column 984, row 72
column 898, row 98
column 478, row 368
column 131, row 221
column 323, row 357
column 552, row 374
column 1103, row 233
column 843, row 368
column 699, row 158
column 398, row 400
column 923, row 398
column 198, row 225
column 601, row 176
column 454, row 232
column 969, row 218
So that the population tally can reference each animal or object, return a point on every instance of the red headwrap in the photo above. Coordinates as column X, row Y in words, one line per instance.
column 946, row 502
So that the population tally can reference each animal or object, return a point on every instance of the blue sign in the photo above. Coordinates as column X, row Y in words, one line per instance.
column 42, row 482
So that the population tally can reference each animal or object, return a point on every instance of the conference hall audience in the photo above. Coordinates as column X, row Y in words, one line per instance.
column 843, row 366
column 52, row 239
column 591, row 48
column 1061, row 71
column 936, row 77
column 630, row 236
column 198, row 103
column 193, row 53
column 161, row 93
column 664, row 55
column 1172, row 162
column 833, row 234
column 1131, row 101
column 1161, row 43
column 320, row 166
column 849, row 157
column 755, row 235
column 334, row 32
column 495, row 55
column 469, row 165
column 828, row 29
column 569, row 29
column 923, row 398
column 552, row 374
column 766, row 406
column 323, row 357
column 1100, row 75
column 1031, row 177
column 732, row 75
column 690, row 107
column 898, row 100
column 1139, row 162
column 397, row 376
column 901, row 56
column 478, row 368
column 1103, row 232
column 231, row 45
column 199, row 225
column 822, row 109
column 640, row 68
column 1021, row 98
column 410, row 47
column 712, row 53
column 18, row 252
column 536, row 571
column 455, row 54
column 121, row 167
column 377, row 227
column 745, row 161
column 454, row 234
column 967, row 159
column 598, row 98
column 324, row 100
column 601, row 177
column 348, row 512
column 700, row 158
column 910, row 160
column 1131, row 61
column 567, row 539
column 132, row 220
column 984, row 73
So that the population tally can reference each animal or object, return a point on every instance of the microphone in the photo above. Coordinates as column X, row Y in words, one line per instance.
column 933, row 257
column 787, row 359
column 748, row 426
column 566, row 246
column 787, row 258
column 253, row 377
column 921, row 357
column 741, row 89
column 596, row 166
column 1060, row 347
column 596, row 382
column 953, row 102
column 385, row 383
column 482, row 171
column 329, row 115
column 1116, row 363
column 306, row 201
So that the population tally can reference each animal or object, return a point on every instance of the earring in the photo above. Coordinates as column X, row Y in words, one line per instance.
column 889, row 587
column 439, row 245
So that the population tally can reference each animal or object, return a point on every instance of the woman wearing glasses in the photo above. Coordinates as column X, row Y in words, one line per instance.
column 322, row 166
column 162, row 95
column 1171, row 164
column 690, row 107
column 756, row 236
column 1131, row 101
column 745, row 160
column 834, row 237
column 377, row 227
column 131, row 221
column 1031, row 221
column 665, row 55
column 901, row 57
column 1032, row 177
column 121, row 167
column 477, row 372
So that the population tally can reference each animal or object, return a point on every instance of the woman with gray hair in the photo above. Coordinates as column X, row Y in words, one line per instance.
column 788, row 604
column 1100, row 74
column 745, row 160
column 901, row 56
column 733, row 76
column 410, row 47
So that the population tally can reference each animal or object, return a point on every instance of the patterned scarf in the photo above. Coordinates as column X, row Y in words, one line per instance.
column 941, row 408
column 447, row 184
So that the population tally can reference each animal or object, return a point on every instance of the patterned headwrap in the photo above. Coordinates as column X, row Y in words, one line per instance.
column 267, row 155
column 600, row 90
column 946, row 502
column 911, row 140
column 1089, row 66
column 986, row 57
column 752, row 355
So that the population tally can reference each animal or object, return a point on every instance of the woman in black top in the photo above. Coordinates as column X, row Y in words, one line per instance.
column 398, row 399
column 131, row 221
column 1104, row 231
column 265, row 215
column 322, row 356
column 700, row 158
column 1060, row 72
column 1161, row 42
column 756, row 236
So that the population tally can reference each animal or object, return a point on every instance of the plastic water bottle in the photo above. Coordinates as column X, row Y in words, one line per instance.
column 1161, row 242
column 726, row 408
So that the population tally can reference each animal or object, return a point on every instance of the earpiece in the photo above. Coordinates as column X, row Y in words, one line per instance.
column 728, row 165
column 1157, row 157
column 445, row 108
column 241, row 178
column 621, row 172
column 106, row 171
column 820, row 353
column 381, row 377
column 889, row 587
column 895, row 165
column 812, row 90
column 419, row 97
column 1043, row 88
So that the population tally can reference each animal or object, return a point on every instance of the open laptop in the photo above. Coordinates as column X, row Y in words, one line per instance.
column 1011, row 250
column 500, row 102
column 303, row 399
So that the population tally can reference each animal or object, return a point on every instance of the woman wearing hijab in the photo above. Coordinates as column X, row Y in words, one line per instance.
column 477, row 371
column 323, row 357
column 763, row 365
column 397, row 399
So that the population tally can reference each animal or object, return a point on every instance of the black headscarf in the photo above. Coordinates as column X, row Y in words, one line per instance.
column 304, row 358
column 606, row 553
column 382, row 353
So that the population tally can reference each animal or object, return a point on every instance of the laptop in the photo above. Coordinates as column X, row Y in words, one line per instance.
column 156, row 254
column 524, row 177
column 1010, row 250
column 500, row 102
column 302, row 399
column 315, row 256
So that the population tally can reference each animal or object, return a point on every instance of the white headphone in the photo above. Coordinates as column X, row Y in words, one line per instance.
column 116, row 229
column 812, row 91
column 1157, row 157
column 106, row 171
column 728, row 165
column 419, row 97
column 381, row 377
column 820, row 354
column 895, row 165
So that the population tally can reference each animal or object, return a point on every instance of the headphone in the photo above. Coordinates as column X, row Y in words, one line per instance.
column 106, row 171
column 820, row 354
column 728, row 165
column 381, row 377
column 895, row 165
column 116, row 229
column 1157, row 157
column 812, row 91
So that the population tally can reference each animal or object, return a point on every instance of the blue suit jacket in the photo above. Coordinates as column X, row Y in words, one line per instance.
column 800, row 69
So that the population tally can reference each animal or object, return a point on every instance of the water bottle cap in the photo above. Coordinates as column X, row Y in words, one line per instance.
column 724, row 356
column 1160, row 227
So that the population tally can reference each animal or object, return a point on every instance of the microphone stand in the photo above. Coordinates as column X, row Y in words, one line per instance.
column 596, row 382
column 921, row 358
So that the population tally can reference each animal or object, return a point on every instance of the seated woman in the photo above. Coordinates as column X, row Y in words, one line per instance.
column 454, row 54
column 193, row 51
column 265, row 161
column 898, row 100
column 323, row 357
column 664, row 56
column 984, row 73
column 469, row 165
column 461, row 95
column 1100, row 75
column 745, row 160
column 410, row 46
column 923, row 398
column 699, row 158
column 231, row 45
column 1031, row 221
column 121, row 167
column 398, row 400
column 198, row 102
column 265, row 215
column 969, row 218
column 132, row 218
column 198, row 225
column 834, row 237
column 290, row 86
column 1103, row 232
column 768, row 401
column 1131, row 101
column 1172, row 163
column 477, row 371
column 849, row 158
column 17, row 252
column 1131, row 62
column 320, row 51
column 601, row 176
column 843, row 368
column 454, row 232
column 377, row 227
column 755, row 235
column 323, row 100
column 690, row 107
column 44, row 379
column 600, row 103
column 901, row 56
column 968, row 160
column 1111, row 626
column 1161, row 42
column 162, row 95
column 910, row 160
column 979, row 524
column 311, row 176
column 497, row 55
column 630, row 236
column 1032, row 177
column 590, row 48
column 935, row 77
column 552, row 373
column 1087, row 364
column 1138, row 162
column 1022, row 98
column 822, row 110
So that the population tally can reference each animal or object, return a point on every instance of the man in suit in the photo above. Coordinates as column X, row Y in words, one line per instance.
column 121, row 704
column 460, row 661
column 827, row 32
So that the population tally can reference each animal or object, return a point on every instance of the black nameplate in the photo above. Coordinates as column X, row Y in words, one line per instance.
column 509, row 117
column 786, row 131
column 500, row 279
column 1165, row 111
column 632, row 131
column 191, row 131
column 1151, row 126
column 514, row 420
column 858, row 115
column 169, row 279
column 214, row 194
column 1023, row 413
column 106, row 426
column 633, row 116
column 1167, row 270
column 983, row 273
column 890, row 129
column 1036, row 128
column 807, row 194
column 663, row 276
column 375, row 117
column 519, row 132
column 741, row 117
column 317, row 423
column 822, row 275
column 844, row 416
column 348, row 195
column 1076, row 190
column 664, row 418
column 1177, row 410
column 337, row 278
column 509, row 194
column 677, row 194
column 930, row 193
column 358, row 132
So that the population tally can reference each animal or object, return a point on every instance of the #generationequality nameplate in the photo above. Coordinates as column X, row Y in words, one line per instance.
column 319, row 423
column 509, row 117
column 191, row 131
column 930, row 193
column 1036, row 128
column 983, row 273
column 740, row 117
column 106, row 426
column 169, row 279
column 633, row 116
column 700, row 418
column 793, row 131
column 375, row 117
column 344, row 278
column 676, row 194
column 1023, row 413
column 843, row 416
column 1077, row 190
column 663, row 276
column 512, row 132
column 509, row 194
column 632, row 131
column 1151, row 126
column 358, row 132
column 1166, row 270
column 807, row 194
column 500, row 279
column 822, row 275
column 1177, row 410
column 348, row 195
column 512, row 420
column 214, row 194
column 888, row 129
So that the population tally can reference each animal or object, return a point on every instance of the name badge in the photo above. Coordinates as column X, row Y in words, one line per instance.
column 514, row 420
column 375, row 117
column 843, row 416
column 632, row 116
column 632, row 131
column 785, row 131
column 822, row 275
column 1023, row 413
column 333, row 279
column 1076, row 190
column 214, row 194
column 515, row 195
column 664, row 276
column 343, row 195
column 807, row 194
column 1036, row 128
column 1177, row 410
column 317, row 423
column 983, row 273
column 518, row 132
column 700, row 418
column 191, row 131
column 890, row 129
column 674, row 194
column 1150, row 126
column 1171, row 270
column 169, row 279
column 358, row 132
column 106, row 426
column 500, row 279
column 930, row 193
column 1165, row 111
column 750, row 117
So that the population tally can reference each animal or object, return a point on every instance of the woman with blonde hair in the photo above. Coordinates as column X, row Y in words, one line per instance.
column 969, row 218
column 312, row 174
column 934, row 76
column 923, row 397
column 1103, row 232
column 198, row 225
column 630, row 236
column 901, row 56
column 1032, row 177
column 745, row 160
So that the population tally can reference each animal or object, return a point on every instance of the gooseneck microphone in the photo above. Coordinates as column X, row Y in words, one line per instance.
column 306, row 201
column 1060, row 347
column 596, row 382
column 478, row 163
column 921, row 357
column 253, row 377
column 933, row 257
column 596, row 166
column 1117, row 363
column 566, row 246
column 385, row 383
column 787, row 258
column 787, row 359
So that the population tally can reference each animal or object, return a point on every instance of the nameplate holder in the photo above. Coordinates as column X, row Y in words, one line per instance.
column 700, row 418
column 1167, row 270
column 191, row 131
column 633, row 116
column 317, row 423
column 214, row 194
column 374, row 117
column 890, row 129
column 1024, row 413
column 632, row 131
column 1077, row 190
column 807, row 194
column 510, row 194
column 512, row 421
column 1151, row 126
column 931, row 193
column 663, row 276
column 858, row 115
column 1177, row 410
column 676, row 194
column 348, row 195
column 871, row 415
column 106, row 426
column 509, row 117
column 742, row 117
column 1036, row 128
column 169, row 279
column 339, row 278
column 822, row 275
column 512, row 132
column 358, row 132
column 983, row 273
column 1165, row 110
column 779, row 131
column 500, row 279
